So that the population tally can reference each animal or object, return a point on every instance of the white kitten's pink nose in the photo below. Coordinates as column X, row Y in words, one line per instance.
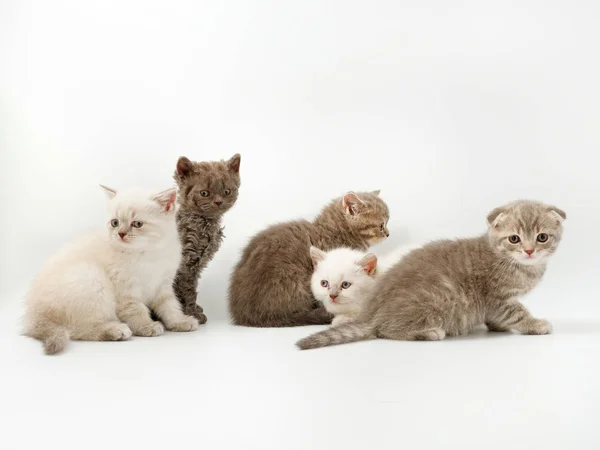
column 333, row 297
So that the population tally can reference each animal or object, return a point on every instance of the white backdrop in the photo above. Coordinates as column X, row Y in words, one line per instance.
column 450, row 110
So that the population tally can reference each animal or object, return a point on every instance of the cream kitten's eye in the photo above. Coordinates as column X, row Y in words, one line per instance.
column 542, row 237
column 136, row 224
column 514, row 239
column 325, row 283
column 227, row 192
column 204, row 193
column 114, row 223
column 346, row 285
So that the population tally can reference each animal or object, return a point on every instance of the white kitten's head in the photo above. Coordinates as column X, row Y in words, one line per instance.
column 342, row 277
column 140, row 220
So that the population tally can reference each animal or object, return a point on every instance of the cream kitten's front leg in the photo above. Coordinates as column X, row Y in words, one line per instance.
column 513, row 315
column 168, row 309
column 137, row 316
column 341, row 318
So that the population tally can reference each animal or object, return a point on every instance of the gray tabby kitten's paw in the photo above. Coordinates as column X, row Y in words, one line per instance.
column 539, row 326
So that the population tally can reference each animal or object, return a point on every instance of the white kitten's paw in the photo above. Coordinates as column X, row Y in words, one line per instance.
column 188, row 323
column 150, row 330
column 338, row 320
column 120, row 332
column 539, row 326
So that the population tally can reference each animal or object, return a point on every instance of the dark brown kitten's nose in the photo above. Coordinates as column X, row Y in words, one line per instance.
column 219, row 203
column 530, row 251
column 122, row 235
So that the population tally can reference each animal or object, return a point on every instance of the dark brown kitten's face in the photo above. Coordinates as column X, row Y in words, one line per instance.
column 367, row 214
column 529, row 232
column 210, row 188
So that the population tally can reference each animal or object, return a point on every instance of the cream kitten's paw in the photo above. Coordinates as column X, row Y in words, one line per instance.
column 188, row 323
column 539, row 326
column 340, row 319
column 120, row 332
column 150, row 330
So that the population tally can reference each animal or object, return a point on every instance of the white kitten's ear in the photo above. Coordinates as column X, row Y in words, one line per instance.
column 110, row 193
column 352, row 204
column 377, row 192
column 233, row 164
column 316, row 255
column 369, row 264
column 184, row 167
column 166, row 199
column 496, row 216
column 557, row 214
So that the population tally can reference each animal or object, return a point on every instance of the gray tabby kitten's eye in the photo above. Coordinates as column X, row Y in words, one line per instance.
column 227, row 192
column 114, row 223
column 204, row 193
column 346, row 285
column 136, row 224
column 542, row 237
column 324, row 283
column 514, row 239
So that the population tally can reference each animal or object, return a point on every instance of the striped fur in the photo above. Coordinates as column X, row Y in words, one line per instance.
column 341, row 334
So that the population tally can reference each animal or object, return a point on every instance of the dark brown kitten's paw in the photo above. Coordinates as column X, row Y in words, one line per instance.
column 196, row 311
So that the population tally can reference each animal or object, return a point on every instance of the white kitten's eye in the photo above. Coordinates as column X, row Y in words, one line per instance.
column 324, row 283
column 514, row 239
column 136, row 224
column 542, row 237
column 346, row 285
column 204, row 193
column 227, row 192
column 114, row 223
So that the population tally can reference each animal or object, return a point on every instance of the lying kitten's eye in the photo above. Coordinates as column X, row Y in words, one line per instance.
column 514, row 239
column 114, row 223
column 324, row 283
column 542, row 237
column 204, row 193
column 382, row 226
column 227, row 192
column 346, row 285
column 136, row 224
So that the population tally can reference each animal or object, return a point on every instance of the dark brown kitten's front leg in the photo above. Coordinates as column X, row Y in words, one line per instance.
column 512, row 315
column 186, row 283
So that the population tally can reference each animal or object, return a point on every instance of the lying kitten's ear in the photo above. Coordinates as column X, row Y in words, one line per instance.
column 369, row 263
column 377, row 192
column 184, row 167
column 495, row 217
column 316, row 255
column 166, row 199
column 352, row 204
column 234, row 163
column 110, row 193
column 558, row 214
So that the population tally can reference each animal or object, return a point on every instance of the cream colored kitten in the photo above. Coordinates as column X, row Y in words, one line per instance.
column 88, row 289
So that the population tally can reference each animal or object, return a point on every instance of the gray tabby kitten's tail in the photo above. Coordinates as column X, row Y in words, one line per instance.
column 342, row 334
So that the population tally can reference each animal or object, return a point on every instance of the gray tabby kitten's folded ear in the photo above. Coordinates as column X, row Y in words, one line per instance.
column 558, row 213
column 495, row 217
column 234, row 163
column 353, row 205
column 316, row 255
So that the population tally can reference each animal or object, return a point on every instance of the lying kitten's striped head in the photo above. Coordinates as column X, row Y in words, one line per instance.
column 367, row 214
column 526, row 231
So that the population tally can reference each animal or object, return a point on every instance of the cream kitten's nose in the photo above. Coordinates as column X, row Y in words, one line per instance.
column 122, row 234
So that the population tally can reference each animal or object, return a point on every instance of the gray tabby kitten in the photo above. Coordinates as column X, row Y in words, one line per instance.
column 206, row 191
column 446, row 288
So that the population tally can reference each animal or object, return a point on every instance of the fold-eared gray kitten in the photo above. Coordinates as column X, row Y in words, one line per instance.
column 270, row 286
column 206, row 191
column 446, row 288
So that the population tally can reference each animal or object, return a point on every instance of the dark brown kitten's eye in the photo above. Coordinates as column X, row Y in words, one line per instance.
column 542, row 237
column 227, row 192
column 204, row 193
column 514, row 239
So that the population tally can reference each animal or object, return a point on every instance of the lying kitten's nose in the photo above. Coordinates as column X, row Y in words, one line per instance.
column 122, row 235
column 529, row 252
column 219, row 203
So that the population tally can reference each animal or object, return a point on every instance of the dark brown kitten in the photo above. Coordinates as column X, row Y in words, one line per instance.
column 206, row 191
column 447, row 288
column 270, row 286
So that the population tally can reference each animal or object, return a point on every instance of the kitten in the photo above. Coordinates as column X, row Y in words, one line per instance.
column 270, row 285
column 206, row 191
column 446, row 288
column 89, row 288
column 342, row 281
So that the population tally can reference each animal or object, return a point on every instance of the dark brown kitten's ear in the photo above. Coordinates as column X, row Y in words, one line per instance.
column 184, row 167
column 110, row 193
column 316, row 255
column 495, row 217
column 234, row 163
column 369, row 264
column 558, row 213
column 352, row 204
column 166, row 199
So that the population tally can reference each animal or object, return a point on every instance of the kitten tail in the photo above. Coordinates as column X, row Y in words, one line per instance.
column 342, row 334
column 54, row 338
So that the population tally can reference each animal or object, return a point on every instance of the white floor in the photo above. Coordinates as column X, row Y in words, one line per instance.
column 238, row 388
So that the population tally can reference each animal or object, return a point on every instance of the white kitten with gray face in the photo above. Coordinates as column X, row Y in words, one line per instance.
column 342, row 280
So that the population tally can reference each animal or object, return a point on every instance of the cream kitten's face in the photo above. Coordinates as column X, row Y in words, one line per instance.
column 139, row 221
column 526, row 231
column 342, row 277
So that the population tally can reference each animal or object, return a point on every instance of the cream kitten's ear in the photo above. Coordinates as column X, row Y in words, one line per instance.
column 233, row 164
column 166, row 199
column 495, row 217
column 377, row 192
column 352, row 204
column 369, row 264
column 110, row 193
column 316, row 255
column 184, row 167
column 558, row 214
